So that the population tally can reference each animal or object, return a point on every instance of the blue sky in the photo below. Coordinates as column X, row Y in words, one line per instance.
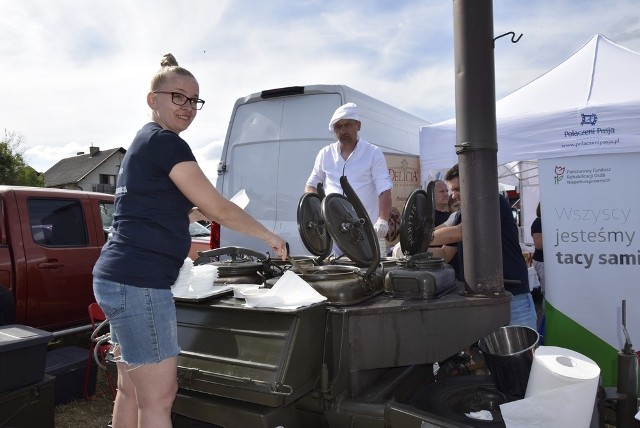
column 75, row 73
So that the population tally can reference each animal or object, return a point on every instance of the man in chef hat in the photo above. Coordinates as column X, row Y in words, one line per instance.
column 361, row 162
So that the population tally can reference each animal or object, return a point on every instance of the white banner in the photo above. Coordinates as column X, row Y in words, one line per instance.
column 590, row 221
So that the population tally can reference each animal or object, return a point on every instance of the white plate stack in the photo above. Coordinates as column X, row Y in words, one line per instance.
column 203, row 278
column 181, row 286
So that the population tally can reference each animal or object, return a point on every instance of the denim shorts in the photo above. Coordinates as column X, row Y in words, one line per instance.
column 523, row 311
column 142, row 321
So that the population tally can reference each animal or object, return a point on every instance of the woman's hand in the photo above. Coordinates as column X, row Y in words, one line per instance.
column 278, row 245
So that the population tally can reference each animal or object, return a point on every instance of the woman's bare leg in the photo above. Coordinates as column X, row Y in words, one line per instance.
column 146, row 395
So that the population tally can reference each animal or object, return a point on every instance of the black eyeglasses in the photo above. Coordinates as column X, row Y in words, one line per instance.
column 180, row 99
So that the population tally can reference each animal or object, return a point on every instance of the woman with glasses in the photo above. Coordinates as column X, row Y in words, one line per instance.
column 159, row 184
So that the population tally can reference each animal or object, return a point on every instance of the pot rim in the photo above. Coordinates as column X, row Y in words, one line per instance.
column 329, row 271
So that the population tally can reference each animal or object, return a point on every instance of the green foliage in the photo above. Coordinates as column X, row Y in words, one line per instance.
column 13, row 168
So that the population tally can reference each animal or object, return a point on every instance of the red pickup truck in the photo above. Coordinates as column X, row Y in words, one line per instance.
column 49, row 241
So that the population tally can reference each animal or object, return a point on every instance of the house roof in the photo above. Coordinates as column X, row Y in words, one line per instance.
column 74, row 169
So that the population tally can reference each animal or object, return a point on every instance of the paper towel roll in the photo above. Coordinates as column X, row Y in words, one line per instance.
column 555, row 367
column 561, row 391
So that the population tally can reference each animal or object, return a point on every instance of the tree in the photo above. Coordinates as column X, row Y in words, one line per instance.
column 13, row 168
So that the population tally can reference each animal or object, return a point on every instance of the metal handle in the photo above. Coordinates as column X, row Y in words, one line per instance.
column 233, row 252
column 50, row 265
column 295, row 263
column 628, row 347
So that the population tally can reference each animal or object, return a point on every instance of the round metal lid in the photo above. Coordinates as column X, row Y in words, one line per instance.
column 237, row 267
column 416, row 223
column 311, row 225
column 353, row 233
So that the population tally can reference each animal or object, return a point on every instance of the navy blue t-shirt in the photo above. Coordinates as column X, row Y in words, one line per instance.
column 513, row 264
column 151, row 221
column 536, row 227
column 440, row 217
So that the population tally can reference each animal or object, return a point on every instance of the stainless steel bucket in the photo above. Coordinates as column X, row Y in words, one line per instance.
column 508, row 353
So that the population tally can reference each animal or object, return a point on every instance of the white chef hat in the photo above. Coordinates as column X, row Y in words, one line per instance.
column 347, row 111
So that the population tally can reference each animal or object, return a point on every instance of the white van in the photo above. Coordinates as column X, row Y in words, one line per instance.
column 272, row 142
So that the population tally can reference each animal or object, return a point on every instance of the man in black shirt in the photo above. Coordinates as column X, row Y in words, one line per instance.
column 514, row 266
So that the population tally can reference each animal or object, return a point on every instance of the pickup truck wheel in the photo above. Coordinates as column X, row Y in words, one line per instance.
column 7, row 306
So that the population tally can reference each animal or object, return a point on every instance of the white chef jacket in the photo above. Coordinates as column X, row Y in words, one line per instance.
column 366, row 170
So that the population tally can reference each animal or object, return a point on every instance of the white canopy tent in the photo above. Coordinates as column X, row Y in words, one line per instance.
column 554, row 116
column 584, row 113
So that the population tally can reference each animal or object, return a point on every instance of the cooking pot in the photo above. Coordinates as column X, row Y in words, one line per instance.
column 419, row 275
column 323, row 220
column 341, row 285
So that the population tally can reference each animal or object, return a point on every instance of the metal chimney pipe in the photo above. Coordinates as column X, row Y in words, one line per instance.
column 476, row 145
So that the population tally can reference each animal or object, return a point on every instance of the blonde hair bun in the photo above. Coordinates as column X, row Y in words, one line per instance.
column 168, row 60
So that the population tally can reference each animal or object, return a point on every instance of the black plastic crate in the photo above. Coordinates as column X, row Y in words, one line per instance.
column 23, row 352
column 69, row 364
column 30, row 406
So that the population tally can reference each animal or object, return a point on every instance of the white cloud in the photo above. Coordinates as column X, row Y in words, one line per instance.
column 76, row 73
